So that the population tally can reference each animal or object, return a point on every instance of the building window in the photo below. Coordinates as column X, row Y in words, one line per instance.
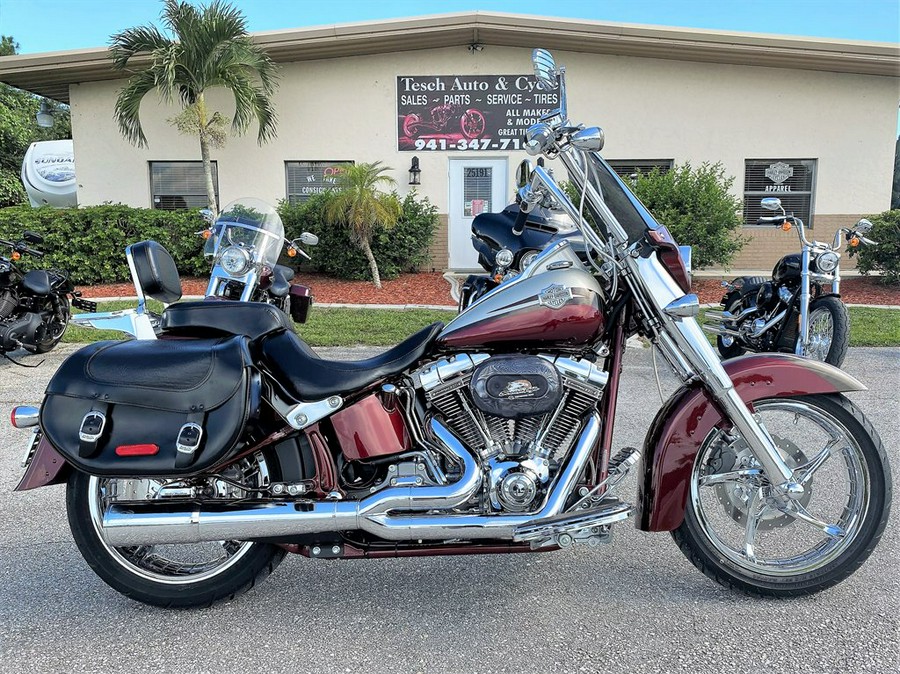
column 791, row 180
column 628, row 167
column 180, row 184
column 306, row 178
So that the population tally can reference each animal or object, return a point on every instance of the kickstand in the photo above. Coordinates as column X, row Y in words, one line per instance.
column 15, row 362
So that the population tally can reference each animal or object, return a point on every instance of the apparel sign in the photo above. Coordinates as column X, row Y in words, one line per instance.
column 468, row 112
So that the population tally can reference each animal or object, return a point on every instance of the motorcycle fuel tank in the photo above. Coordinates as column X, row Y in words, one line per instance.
column 561, row 306
column 787, row 269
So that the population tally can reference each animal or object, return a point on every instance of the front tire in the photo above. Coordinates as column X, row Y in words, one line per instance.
column 738, row 535
column 829, row 331
column 172, row 576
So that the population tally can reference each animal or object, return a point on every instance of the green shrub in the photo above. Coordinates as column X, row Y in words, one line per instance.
column 696, row 207
column 402, row 248
column 885, row 256
column 90, row 242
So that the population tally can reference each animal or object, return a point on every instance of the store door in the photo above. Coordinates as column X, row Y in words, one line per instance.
column 476, row 186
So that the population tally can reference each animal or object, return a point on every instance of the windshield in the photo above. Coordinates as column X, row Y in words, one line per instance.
column 250, row 224
column 629, row 211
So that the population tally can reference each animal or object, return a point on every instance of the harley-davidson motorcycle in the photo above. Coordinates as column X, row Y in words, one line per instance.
column 195, row 462
column 794, row 311
column 244, row 244
column 34, row 305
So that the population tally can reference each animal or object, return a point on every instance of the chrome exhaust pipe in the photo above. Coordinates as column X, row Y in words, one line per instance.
column 129, row 525
column 125, row 525
column 719, row 330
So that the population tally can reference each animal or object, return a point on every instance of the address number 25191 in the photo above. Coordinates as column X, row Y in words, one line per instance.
column 473, row 144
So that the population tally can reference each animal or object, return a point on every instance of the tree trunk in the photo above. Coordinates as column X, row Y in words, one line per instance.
column 204, row 153
column 373, row 267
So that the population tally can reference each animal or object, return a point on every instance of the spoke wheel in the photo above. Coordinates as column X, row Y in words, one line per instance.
column 741, row 532
column 178, row 575
column 829, row 331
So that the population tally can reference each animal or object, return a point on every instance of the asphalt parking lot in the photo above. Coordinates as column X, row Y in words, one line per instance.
column 636, row 605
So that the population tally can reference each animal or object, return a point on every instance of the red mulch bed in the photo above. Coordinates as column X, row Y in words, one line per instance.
column 407, row 289
column 434, row 289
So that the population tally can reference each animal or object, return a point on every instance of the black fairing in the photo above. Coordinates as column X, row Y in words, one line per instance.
column 156, row 271
column 148, row 389
column 787, row 270
column 497, row 228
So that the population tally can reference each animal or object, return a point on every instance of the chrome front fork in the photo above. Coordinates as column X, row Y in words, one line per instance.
column 800, row 349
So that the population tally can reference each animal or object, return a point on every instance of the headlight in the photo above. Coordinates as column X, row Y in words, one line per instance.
column 827, row 262
column 235, row 260
column 528, row 258
column 503, row 258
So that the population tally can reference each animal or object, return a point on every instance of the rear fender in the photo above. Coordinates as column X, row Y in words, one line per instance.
column 685, row 421
column 47, row 467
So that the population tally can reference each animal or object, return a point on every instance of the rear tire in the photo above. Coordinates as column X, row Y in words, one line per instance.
column 149, row 576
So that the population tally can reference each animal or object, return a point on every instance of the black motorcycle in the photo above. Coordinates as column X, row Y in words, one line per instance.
column 799, row 310
column 34, row 305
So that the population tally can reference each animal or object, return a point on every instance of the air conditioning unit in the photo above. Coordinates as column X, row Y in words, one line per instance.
column 48, row 173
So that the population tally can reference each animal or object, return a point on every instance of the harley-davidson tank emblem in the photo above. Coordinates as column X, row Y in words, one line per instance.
column 779, row 172
column 555, row 296
column 519, row 388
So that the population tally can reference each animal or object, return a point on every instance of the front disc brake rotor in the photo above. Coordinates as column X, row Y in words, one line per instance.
column 735, row 496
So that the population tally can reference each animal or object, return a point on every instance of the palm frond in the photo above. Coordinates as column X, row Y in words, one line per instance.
column 126, row 44
column 128, row 106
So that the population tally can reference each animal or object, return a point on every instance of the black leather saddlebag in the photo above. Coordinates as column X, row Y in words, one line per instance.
column 151, row 408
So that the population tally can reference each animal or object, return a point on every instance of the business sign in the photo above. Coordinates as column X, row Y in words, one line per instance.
column 306, row 178
column 468, row 112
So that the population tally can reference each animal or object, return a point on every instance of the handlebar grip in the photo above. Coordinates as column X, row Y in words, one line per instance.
column 762, row 220
column 32, row 251
column 519, row 225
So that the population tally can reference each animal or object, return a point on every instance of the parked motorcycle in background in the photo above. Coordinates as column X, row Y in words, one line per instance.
column 793, row 312
column 34, row 305
column 243, row 243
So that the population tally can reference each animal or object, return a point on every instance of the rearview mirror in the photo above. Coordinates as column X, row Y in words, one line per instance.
column 545, row 71
column 863, row 226
column 309, row 239
column 771, row 203
column 207, row 215
column 523, row 173
column 36, row 239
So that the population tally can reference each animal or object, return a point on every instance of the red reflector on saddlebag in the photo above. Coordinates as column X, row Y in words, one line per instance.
column 136, row 450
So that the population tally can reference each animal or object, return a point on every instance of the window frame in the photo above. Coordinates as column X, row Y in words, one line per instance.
column 615, row 163
column 757, row 195
column 153, row 194
column 301, row 198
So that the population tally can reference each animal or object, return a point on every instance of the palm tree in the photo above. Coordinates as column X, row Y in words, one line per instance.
column 359, row 205
column 211, row 48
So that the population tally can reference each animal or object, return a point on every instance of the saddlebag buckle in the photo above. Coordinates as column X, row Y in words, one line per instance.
column 189, row 437
column 92, row 426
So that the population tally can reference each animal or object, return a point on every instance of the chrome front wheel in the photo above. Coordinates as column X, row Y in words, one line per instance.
column 740, row 531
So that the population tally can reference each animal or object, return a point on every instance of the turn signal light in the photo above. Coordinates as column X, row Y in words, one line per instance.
column 16, row 256
column 292, row 252
column 854, row 241
column 206, row 233
column 24, row 416
column 785, row 226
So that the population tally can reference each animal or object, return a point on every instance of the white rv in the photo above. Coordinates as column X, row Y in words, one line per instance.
column 48, row 173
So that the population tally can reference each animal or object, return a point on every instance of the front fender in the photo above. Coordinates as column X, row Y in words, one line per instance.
column 685, row 421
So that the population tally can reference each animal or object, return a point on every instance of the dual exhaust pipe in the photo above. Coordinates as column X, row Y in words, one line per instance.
column 396, row 513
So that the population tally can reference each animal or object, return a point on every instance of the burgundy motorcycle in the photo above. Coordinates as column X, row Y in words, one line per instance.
column 195, row 462
column 442, row 119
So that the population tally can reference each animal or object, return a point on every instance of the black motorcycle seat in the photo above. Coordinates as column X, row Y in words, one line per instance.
column 307, row 377
column 224, row 317
column 281, row 280
column 37, row 282
column 156, row 271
